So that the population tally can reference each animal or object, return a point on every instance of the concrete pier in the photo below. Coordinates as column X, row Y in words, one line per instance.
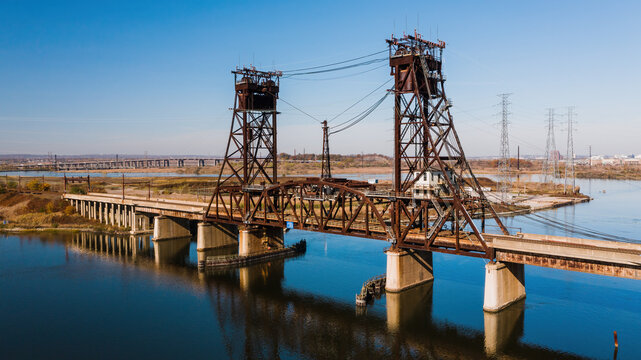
column 257, row 239
column 504, row 285
column 406, row 269
column 211, row 236
column 170, row 228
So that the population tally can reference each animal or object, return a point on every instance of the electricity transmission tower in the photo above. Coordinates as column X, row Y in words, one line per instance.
column 569, row 159
column 505, row 181
column 550, row 164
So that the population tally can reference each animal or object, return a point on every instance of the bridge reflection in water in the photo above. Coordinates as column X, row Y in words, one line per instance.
column 259, row 318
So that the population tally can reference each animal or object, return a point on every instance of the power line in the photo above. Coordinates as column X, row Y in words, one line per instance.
column 336, row 63
column 355, row 120
column 357, row 102
column 368, row 62
column 339, row 77
column 292, row 105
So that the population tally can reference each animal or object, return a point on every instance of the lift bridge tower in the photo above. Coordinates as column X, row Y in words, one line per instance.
column 251, row 155
column 428, row 157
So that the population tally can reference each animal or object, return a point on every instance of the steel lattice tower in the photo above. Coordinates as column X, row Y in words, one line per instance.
column 570, row 180
column 505, row 181
column 326, row 171
column 426, row 145
column 550, row 164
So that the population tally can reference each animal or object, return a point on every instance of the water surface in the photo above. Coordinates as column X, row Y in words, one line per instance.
column 81, row 296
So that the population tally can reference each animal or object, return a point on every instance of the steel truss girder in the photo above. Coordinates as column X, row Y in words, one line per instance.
column 322, row 206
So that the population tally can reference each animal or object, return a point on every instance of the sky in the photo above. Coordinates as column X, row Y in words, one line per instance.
column 129, row 77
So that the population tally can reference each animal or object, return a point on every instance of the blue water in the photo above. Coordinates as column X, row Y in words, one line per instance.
column 59, row 298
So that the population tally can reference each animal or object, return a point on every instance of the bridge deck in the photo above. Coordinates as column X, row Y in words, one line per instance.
column 594, row 256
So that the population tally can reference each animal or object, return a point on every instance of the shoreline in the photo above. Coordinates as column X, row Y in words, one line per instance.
column 40, row 229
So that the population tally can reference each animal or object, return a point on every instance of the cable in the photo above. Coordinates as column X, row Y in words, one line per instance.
column 362, row 116
column 340, row 77
column 356, row 103
column 574, row 228
column 292, row 105
column 369, row 62
column 336, row 63
column 582, row 229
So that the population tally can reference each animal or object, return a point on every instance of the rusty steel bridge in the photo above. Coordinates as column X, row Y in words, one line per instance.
column 446, row 214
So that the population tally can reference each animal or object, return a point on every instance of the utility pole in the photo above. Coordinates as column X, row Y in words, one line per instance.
column 518, row 157
column 326, row 171
column 569, row 158
column 504, row 162
column 590, row 158
column 550, row 164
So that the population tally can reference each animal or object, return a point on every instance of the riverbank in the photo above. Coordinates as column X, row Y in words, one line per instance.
column 44, row 211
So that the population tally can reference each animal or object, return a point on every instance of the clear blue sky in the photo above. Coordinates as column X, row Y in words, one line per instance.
column 133, row 76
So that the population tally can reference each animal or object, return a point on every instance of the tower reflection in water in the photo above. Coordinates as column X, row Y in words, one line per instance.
column 260, row 318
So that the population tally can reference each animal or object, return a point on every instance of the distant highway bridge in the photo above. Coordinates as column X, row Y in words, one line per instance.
column 156, row 163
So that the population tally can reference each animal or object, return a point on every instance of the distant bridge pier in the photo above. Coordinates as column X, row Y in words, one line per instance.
column 504, row 285
column 166, row 228
column 255, row 239
column 212, row 236
column 407, row 268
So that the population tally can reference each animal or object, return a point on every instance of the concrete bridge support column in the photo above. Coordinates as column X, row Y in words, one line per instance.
column 126, row 217
column 258, row 239
column 211, row 236
column 170, row 228
column 117, row 214
column 112, row 214
column 139, row 222
column 406, row 269
column 504, row 285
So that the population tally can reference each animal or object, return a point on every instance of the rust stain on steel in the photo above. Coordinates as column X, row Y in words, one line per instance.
column 571, row 264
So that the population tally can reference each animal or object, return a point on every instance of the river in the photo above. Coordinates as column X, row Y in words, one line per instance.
column 60, row 298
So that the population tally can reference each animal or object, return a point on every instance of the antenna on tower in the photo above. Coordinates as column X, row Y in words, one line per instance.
column 326, row 171
column 570, row 179
column 505, row 181
column 550, row 164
